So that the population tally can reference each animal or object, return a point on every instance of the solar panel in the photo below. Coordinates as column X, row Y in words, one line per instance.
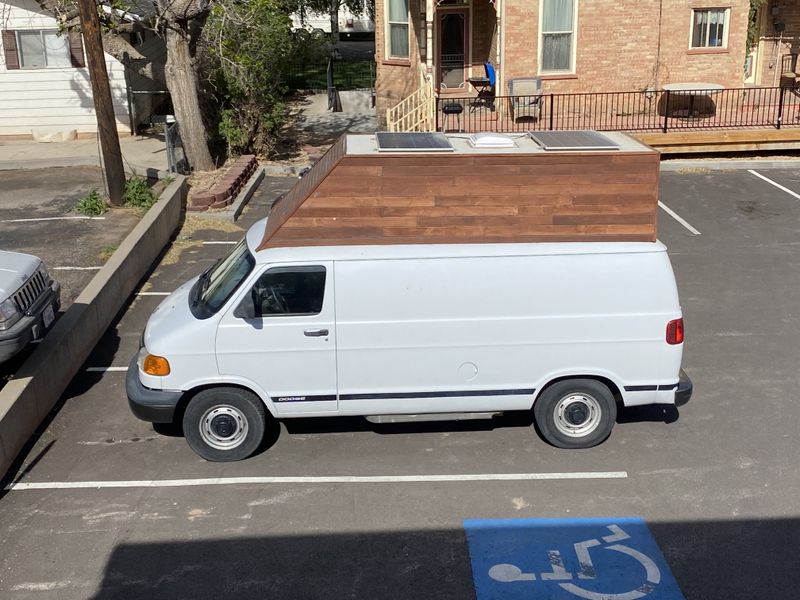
column 413, row 142
column 572, row 140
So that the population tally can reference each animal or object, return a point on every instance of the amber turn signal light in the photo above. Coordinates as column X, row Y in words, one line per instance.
column 155, row 365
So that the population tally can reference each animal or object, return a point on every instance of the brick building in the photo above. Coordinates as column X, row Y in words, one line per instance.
column 572, row 45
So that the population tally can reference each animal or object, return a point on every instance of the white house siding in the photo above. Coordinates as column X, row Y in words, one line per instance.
column 53, row 99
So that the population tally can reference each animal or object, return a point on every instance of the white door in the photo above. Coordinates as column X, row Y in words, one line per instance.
column 288, row 348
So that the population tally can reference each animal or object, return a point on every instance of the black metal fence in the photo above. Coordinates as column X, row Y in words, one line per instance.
column 347, row 74
column 651, row 110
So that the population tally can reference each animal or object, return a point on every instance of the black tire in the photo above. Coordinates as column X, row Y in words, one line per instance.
column 575, row 413
column 224, row 424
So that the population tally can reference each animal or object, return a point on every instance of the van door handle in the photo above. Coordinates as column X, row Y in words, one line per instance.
column 315, row 332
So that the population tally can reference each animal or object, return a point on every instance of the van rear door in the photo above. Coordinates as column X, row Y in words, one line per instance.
column 289, row 347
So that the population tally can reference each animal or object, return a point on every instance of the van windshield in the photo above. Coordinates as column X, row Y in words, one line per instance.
column 217, row 283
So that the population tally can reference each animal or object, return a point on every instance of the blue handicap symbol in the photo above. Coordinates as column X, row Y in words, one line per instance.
column 614, row 558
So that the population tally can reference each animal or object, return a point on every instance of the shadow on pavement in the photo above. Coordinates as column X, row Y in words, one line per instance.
column 711, row 560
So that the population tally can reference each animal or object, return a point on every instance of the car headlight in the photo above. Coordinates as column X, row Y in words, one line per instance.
column 8, row 314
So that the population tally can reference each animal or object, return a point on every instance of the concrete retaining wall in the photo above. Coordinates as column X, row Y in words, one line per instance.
column 31, row 395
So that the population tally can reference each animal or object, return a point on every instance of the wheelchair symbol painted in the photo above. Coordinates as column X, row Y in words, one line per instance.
column 506, row 573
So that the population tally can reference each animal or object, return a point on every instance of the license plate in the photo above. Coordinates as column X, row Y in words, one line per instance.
column 48, row 316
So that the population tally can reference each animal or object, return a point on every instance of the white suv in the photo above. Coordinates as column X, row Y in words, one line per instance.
column 29, row 300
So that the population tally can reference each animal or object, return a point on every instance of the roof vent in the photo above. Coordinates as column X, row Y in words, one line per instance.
column 491, row 140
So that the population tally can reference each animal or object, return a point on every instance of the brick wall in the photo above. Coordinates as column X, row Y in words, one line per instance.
column 396, row 79
column 617, row 45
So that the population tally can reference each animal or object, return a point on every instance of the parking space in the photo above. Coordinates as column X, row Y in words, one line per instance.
column 108, row 507
column 35, row 218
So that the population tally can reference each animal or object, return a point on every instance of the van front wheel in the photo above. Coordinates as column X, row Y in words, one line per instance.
column 575, row 413
column 224, row 424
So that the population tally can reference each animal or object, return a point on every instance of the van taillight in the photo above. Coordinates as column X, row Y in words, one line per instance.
column 675, row 332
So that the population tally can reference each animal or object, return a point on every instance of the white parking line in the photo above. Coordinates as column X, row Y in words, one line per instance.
column 106, row 369
column 678, row 218
column 219, row 243
column 777, row 185
column 53, row 219
column 153, row 293
column 76, row 268
column 159, row 483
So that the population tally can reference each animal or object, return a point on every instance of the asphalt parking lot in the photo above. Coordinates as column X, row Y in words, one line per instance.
column 340, row 508
column 36, row 218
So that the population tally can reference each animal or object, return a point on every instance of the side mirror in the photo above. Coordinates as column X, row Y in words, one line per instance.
column 246, row 309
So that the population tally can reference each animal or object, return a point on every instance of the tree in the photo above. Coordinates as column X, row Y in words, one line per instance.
column 245, row 48
column 181, row 23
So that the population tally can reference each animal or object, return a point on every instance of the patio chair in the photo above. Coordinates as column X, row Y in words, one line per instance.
column 526, row 97
column 485, row 86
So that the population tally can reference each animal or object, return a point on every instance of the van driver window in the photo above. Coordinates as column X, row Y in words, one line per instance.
column 289, row 291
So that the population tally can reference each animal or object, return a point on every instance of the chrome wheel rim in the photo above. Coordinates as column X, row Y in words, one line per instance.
column 577, row 415
column 223, row 427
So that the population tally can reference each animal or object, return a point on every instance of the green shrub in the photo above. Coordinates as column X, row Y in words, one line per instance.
column 91, row 205
column 138, row 194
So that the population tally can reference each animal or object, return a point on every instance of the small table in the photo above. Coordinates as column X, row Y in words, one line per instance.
column 692, row 90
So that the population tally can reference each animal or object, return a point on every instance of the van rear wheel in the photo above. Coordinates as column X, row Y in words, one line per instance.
column 575, row 413
column 224, row 424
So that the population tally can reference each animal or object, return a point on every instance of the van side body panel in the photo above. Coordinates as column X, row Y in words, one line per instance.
column 483, row 333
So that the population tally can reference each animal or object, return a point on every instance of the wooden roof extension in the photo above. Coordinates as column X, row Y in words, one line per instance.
column 357, row 196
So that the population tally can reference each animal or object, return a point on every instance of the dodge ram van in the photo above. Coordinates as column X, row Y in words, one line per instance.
column 421, row 277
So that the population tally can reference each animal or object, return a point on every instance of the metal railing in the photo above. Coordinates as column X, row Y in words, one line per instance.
column 650, row 110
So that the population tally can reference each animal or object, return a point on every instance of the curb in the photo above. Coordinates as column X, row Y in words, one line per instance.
column 727, row 165
column 79, row 161
column 26, row 400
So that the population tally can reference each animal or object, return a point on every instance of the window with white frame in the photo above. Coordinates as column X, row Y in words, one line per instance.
column 397, row 28
column 41, row 49
column 709, row 28
column 557, row 35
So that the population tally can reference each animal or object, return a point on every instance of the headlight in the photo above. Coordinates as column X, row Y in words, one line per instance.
column 8, row 314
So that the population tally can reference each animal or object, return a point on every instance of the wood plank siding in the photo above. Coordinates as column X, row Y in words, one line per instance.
column 469, row 198
column 54, row 98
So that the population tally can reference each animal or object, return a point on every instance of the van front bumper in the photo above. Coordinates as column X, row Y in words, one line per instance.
column 155, row 406
column 684, row 392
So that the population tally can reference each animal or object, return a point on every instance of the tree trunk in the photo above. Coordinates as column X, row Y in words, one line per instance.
column 182, row 84
column 334, row 15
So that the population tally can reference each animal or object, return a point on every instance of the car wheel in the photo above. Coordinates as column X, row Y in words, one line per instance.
column 224, row 424
column 575, row 413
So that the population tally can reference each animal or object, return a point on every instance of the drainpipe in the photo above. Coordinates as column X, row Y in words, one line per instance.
column 658, row 46
column 429, row 49
column 501, row 43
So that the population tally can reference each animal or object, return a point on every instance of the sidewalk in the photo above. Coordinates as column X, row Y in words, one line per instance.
column 140, row 154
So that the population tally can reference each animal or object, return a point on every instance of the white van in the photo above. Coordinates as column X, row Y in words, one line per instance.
column 571, row 330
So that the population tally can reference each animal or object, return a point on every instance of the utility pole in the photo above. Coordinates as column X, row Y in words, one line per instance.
column 103, row 106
